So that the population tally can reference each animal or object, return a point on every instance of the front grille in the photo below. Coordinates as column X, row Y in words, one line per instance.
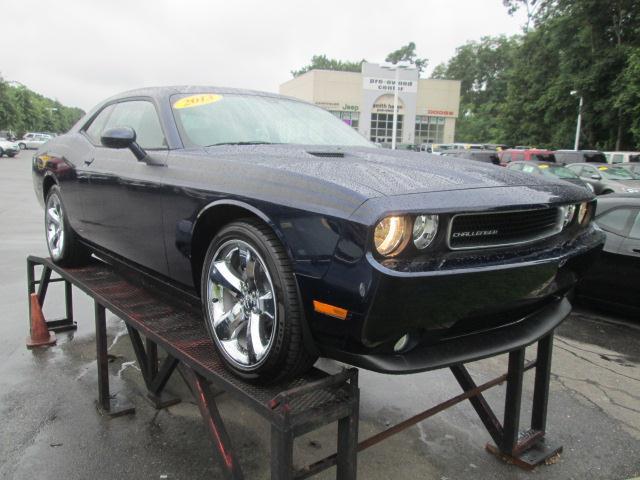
column 483, row 230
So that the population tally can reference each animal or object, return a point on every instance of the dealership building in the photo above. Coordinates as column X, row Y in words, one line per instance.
column 427, row 108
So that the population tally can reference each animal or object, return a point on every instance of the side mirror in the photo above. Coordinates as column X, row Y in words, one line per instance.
column 123, row 137
column 595, row 176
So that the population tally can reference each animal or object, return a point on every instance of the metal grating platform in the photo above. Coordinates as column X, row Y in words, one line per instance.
column 174, row 323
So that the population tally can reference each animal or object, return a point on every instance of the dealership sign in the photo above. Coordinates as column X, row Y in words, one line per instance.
column 388, row 85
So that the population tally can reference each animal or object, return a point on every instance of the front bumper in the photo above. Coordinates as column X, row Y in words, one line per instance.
column 464, row 311
column 462, row 349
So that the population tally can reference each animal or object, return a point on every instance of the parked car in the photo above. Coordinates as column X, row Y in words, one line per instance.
column 622, row 157
column 486, row 156
column 516, row 155
column 633, row 168
column 606, row 179
column 614, row 280
column 302, row 239
column 550, row 170
column 33, row 140
column 580, row 156
column 8, row 148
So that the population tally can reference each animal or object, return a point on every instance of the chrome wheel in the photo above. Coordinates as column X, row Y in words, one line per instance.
column 55, row 227
column 241, row 304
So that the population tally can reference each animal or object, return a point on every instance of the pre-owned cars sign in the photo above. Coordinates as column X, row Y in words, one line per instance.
column 388, row 85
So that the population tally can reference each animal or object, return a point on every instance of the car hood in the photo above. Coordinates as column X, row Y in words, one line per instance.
column 626, row 183
column 377, row 172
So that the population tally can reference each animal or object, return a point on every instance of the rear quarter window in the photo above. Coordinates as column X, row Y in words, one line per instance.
column 615, row 220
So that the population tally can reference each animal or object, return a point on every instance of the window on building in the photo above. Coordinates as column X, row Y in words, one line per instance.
column 350, row 118
column 382, row 127
column 429, row 129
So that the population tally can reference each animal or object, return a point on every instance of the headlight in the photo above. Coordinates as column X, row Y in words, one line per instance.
column 631, row 190
column 390, row 235
column 583, row 212
column 569, row 213
column 425, row 228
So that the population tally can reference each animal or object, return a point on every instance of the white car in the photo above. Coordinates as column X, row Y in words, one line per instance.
column 8, row 148
column 622, row 157
column 33, row 140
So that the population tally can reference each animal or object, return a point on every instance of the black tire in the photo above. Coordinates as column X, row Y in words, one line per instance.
column 71, row 252
column 11, row 155
column 287, row 356
column 22, row 146
column 1, row 152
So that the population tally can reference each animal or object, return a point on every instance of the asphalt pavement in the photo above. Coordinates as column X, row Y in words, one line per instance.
column 50, row 428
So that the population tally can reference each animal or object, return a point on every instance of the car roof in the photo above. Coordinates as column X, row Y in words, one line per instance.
column 164, row 92
column 620, row 199
column 529, row 150
column 593, row 164
column 579, row 151
column 537, row 162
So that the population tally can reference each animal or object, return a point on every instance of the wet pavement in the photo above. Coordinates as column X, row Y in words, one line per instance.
column 50, row 428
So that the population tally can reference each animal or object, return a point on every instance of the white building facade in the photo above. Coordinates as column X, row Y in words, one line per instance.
column 427, row 108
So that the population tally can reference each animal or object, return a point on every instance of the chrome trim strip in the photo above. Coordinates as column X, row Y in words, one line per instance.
column 549, row 233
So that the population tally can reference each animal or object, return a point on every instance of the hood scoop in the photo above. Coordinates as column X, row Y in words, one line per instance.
column 327, row 154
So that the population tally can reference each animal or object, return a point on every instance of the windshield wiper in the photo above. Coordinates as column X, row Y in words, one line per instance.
column 253, row 142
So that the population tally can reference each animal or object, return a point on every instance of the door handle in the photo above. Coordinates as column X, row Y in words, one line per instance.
column 89, row 161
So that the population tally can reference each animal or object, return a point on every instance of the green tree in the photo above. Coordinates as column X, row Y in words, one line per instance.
column 22, row 110
column 321, row 62
column 407, row 53
column 482, row 68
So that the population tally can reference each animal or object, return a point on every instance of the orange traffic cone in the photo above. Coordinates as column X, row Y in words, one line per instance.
column 40, row 335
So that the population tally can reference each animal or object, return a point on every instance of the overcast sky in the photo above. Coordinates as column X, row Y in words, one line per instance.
column 82, row 51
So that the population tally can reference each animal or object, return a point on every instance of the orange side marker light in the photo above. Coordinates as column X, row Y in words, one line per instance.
column 332, row 311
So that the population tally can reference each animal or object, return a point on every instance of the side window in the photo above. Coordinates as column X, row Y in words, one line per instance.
column 588, row 171
column 97, row 126
column 614, row 220
column 142, row 117
column 635, row 230
column 577, row 169
column 518, row 156
column 506, row 157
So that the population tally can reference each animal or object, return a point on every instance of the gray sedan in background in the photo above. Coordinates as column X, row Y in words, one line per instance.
column 605, row 178
column 549, row 169
column 614, row 279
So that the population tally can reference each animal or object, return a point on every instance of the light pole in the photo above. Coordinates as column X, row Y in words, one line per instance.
column 577, row 142
column 396, row 67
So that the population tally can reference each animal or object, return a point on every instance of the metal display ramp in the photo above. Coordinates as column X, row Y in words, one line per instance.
column 157, row 317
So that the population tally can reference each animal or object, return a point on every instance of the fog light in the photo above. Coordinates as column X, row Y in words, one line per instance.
column 401, row 344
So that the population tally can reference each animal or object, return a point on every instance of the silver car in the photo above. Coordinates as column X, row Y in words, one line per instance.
column 8, row 148
column 605, row 178
column 33, row 140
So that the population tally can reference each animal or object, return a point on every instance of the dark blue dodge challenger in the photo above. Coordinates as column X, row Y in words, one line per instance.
column 304, row 240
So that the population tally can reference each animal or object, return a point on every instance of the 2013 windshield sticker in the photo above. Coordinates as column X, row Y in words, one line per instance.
column 197, row 100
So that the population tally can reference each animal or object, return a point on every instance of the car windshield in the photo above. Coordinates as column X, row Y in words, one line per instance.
column 615, row 173
column 597, row 157
column 556, row 171
column 223, row 119
column 543, row 157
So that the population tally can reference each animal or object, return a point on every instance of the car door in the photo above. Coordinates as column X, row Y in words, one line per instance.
column 124, row 205
column 618, row 270
column 631, row 244
column 591, row 175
